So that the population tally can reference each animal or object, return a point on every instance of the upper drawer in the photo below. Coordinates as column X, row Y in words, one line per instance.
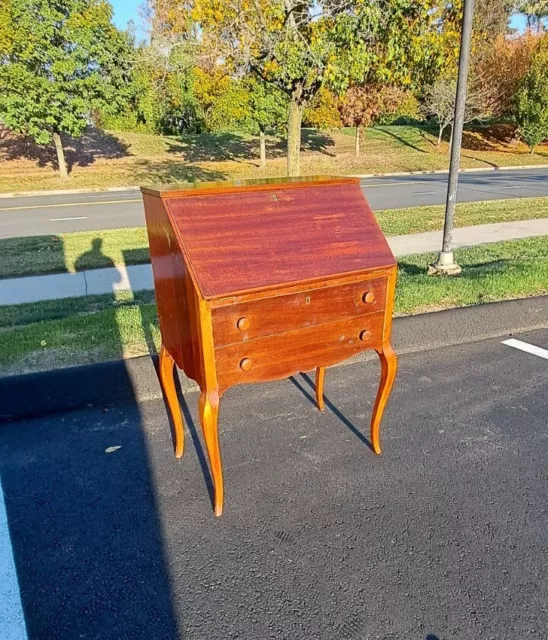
column 258, row 318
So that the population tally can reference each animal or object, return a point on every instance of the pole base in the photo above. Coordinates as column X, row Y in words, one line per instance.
column 445, row 265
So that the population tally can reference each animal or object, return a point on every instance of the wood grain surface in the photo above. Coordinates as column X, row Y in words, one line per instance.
column 278, row 314
column 250, row 240
column 283, row 354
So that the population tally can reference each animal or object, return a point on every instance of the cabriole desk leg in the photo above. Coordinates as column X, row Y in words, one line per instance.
column 209, row 418
column 320, row 379
column 389, row 365
column 167, row 381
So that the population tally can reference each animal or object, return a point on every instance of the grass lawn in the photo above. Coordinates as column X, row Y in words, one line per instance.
column 72, row 251
column 108, row 159
column 80, row 331
column 77, row 251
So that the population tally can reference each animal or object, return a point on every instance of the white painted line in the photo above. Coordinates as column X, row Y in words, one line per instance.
column 70, row 204
column 515, row 186
column 424, row 193
column 12, row 620
column 71, row 218
column 528, row 348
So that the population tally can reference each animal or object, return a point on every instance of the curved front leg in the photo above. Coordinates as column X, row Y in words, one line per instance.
column 389, row 364
column 167, row 380
column 209, row 418
column 320, row 379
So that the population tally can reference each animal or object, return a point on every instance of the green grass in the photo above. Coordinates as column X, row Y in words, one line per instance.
column 395, row 222
column 80, row 331
column 95, row 249
column 109, row 159
column 72, row 251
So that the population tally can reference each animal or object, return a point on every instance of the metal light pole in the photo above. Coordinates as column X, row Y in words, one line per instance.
column 445, row 264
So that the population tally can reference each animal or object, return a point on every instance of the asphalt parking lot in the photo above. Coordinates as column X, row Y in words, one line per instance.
column 444, row 536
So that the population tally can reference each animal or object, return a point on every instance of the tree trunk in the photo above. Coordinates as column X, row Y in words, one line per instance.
column 294, row 137
column 262, row 144
column 532, row 150
column 440, row 136
column 357, row 142
column 60, row 156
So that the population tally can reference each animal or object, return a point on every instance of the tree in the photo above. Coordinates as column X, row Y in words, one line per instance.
column 268, row 109
column 302, row 45
column 362, row 106
column 323, row 111
column 59, row 62
column 439, row 103
column 501, row 64
column 531, row 104
column 491, row 18
column 225, row 101
column 536, row 12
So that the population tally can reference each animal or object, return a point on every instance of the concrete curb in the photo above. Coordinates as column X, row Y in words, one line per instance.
column 135, row 380
column 440, row 171
column 132, row 187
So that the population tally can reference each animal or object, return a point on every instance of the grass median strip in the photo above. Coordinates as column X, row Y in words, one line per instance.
column 69, row 252
column 82, row 331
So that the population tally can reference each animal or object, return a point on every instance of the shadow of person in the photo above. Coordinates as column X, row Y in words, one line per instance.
column 94, row 258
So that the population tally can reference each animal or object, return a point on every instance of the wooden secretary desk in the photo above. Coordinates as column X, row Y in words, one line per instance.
column 257, row 280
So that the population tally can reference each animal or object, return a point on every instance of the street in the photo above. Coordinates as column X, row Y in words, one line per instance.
column 42, row 215
column 443, row 537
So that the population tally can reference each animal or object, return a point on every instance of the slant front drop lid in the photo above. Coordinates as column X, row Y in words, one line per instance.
column 257, row 280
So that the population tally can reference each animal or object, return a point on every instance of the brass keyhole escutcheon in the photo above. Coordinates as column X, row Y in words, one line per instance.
column 246, row 364
column 307, row 300
column 364, row 335
column 243, row 323
column 368, row 297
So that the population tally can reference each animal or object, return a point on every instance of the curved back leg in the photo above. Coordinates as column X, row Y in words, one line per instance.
column 320, row 379
column 167, row 380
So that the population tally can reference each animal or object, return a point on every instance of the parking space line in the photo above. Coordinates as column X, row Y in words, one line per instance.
column 528, row 348
column 12, row 620
column 423, row 193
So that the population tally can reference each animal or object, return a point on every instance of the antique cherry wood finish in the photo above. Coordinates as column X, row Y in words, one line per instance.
column 261, row 279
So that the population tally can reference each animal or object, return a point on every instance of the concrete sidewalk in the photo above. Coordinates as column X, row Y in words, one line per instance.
column 139, row 277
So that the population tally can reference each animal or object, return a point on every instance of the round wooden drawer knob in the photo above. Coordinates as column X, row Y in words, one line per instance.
column 246, row 364
column 368, row 297
column 365, row 335
column 243, row 324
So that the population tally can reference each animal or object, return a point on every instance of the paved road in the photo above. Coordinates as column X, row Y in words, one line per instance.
column 442, row 537
column 41, row 215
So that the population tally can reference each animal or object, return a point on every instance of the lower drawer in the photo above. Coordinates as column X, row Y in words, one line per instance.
column 280, row 355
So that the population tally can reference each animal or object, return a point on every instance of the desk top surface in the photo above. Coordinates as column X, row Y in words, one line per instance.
column 241, row 237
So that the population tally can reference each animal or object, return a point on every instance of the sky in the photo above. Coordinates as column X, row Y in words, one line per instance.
column 125, row 10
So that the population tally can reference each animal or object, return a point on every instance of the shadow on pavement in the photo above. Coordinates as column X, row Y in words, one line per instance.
column 347, row 423
column 82, row 511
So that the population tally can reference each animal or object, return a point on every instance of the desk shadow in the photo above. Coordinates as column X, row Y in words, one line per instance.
column 81, row 500
column 330, row 405
column 86, row 533
column 150, row 327
column 200, row 452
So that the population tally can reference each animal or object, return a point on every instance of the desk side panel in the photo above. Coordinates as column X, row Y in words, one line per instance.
column 175, row 296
